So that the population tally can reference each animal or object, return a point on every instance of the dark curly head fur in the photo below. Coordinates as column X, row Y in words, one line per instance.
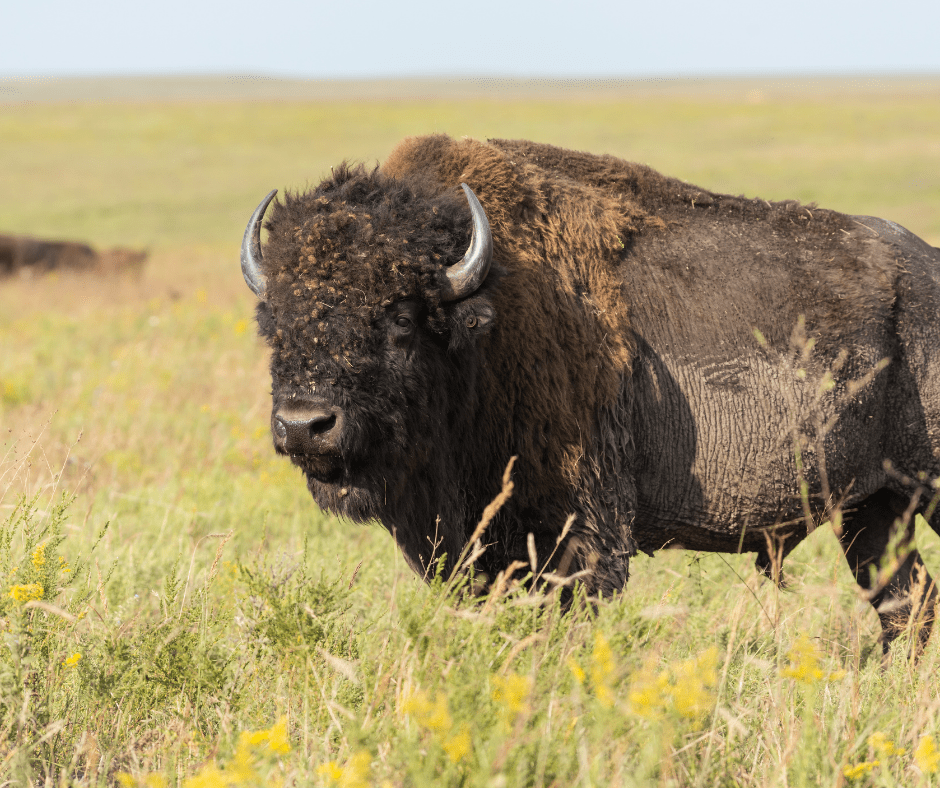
column 352, row 270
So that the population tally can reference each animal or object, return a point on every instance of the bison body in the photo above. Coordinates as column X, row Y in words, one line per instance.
column 673, row 367
column 25, row 256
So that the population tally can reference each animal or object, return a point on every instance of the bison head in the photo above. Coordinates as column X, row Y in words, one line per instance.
column 372, row 297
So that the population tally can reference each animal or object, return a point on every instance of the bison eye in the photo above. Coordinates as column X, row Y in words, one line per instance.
column 403, row 321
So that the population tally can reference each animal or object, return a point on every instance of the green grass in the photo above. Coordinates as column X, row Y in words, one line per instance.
column 208, row 597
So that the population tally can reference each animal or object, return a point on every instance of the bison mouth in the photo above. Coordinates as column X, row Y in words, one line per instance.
column 344, row 491
column 326, row 469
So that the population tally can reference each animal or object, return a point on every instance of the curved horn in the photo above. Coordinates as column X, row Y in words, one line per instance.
column 251, row 249
column 465, row 277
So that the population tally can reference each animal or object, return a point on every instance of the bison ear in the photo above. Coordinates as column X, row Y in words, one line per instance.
column 265, row 320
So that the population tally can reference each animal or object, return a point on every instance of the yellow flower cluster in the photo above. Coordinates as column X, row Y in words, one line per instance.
column 859, row 770
column 926, row 756
column 72, row 661
column 512, row 692
column 457, row 744
column 686, row 688
column 39, row 556
column 252, row 749
column 126, row 780
column 603, row 670
column 352, row 774
column 27, row 593
column 805, row 661
column 273, row 740
column 881, row 746
column 433, row 715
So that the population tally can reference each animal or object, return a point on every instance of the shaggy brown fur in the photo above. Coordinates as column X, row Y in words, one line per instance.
column 611, row 350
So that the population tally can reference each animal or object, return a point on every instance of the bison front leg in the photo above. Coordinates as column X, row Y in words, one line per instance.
column 898, row 584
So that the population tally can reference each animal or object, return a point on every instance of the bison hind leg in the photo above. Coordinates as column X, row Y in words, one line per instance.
column 878, row 541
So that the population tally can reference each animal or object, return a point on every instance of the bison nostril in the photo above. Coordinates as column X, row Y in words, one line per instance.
column 280, row 429
column 322, row 423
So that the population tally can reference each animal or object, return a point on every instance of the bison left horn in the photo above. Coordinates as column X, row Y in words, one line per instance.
column 465, row 277
column 251, row 249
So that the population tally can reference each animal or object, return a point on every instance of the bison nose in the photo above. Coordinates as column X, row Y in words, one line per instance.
column 308, row 430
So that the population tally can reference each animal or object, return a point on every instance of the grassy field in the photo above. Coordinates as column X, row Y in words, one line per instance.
column 175, row 611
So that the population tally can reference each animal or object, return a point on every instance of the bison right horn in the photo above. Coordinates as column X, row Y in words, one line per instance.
column 251, row 249
column 465, row 277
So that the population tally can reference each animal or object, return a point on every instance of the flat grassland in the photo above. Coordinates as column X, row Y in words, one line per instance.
column 175, row 610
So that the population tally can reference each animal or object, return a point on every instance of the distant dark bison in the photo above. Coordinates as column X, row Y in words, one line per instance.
column 25, row 256
column 671, row 366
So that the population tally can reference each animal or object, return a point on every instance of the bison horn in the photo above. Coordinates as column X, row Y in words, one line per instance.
column 465, row 277
column 251, row 249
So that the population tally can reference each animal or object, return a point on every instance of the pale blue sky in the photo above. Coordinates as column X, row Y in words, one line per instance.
column 485, row 37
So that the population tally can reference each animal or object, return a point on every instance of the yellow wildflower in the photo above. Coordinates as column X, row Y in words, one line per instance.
column 63, row 565
column 439, row 717
column 926, row 756
column 859, row 770
column 242, row 768
column 415, row 703
column 649, row 691
column 576, row 670
column 457, row 746
column 210, row 776
column 72, row 661
column 353, row 774
column 330, row 771
column 694, row 680
column 685, row 688
column 356, row 771
column 39, row 556
column 512, row 692
column 804, row 664
column 155, row 780
column 433, row 715
column 27, row 593
column 430, row 714
column 882, row 745
column 275, row 738
column 602, row 670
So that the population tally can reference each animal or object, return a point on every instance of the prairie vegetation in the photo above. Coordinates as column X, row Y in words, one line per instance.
column 175, row 611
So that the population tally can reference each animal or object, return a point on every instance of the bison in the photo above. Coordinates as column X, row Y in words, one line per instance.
column 670, row 367
column 25, row 256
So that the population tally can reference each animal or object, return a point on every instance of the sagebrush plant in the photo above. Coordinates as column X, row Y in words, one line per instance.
column 221, row 631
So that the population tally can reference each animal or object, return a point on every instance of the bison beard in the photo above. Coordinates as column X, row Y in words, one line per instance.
column 599, row 327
